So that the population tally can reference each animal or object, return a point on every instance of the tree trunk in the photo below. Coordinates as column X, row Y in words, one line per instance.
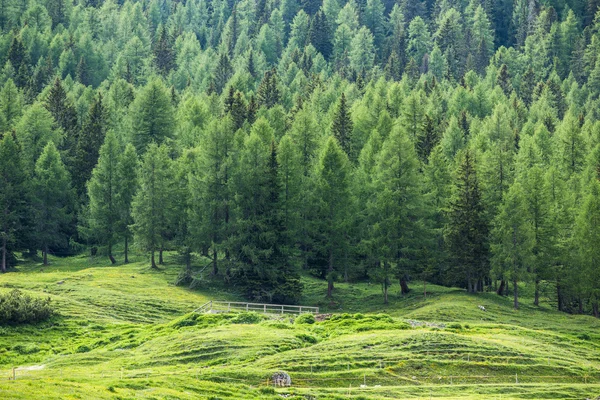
column 536, row 295
column 4, row 254
column 595, row 309
column 160, row 257
column 404, row 289
column 215, row 270
column 500, row 290
column 580, row 305
column 559, row 295
column 126, row 249
column 45, row 251
column 153, row 261
column 110, row 256
column 385, row 291
column 516, row 293
column 424, row 288
column 188, row 259
column 330, row 274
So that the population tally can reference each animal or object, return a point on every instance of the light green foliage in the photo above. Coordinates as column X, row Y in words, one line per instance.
column 153, row 201
column 52, row 200
column 34, row 131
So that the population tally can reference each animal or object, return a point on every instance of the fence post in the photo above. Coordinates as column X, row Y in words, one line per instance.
column 264, row 308
column 282, row 309
column 14, row 373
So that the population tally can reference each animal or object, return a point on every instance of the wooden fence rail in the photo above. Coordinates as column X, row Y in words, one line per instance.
column 227, row 306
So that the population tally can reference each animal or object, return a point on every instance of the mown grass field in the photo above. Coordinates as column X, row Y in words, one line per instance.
column 126, row 332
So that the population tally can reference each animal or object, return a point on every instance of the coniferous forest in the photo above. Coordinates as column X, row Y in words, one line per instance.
column 450, row 141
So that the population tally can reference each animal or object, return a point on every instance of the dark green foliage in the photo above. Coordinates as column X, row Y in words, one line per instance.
column 467, row 229
column 268, row 90
column 341, row 127
column 163, row 52
column 19, row 308
column 319, row 35
column 88, row 145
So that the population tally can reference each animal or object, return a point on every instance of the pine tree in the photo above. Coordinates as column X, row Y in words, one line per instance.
column 52, row 200
column 467, row 228
column 152, row 201
column 513, row 241
column 419, row 40
column 83, row 73
column 152, row 116
column 103, row 190
column 89, row 143
column 341, row 126
column 163, row 52
column 362, row 51
column 334, row 200
column 14, row 195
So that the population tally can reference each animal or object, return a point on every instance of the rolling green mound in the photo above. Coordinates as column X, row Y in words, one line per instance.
column 126, row 332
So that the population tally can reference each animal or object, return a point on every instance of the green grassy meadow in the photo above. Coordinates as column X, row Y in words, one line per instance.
column 126, row 332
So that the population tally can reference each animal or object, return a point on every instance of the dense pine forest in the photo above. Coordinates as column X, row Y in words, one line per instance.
column 451, row 141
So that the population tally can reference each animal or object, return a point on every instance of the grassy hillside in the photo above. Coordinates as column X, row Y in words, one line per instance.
column 126, row 332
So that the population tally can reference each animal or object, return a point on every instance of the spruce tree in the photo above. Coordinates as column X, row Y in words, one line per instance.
column 342, row 125
column 268, row 91
column 467, row 229
column 14, row 195
column 89, row 143
column 11, row 103
column 319, row 34
column 222, row 73
column 163, row 52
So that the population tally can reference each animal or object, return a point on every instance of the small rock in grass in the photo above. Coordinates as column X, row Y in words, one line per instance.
column 60, row 282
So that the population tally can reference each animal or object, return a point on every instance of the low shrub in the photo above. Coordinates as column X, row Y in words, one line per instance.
column 247, row 318
column 305, row 319
column 19, row 308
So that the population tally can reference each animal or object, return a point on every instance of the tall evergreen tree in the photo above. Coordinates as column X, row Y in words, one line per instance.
column 152, row 201
column 163, row 52
column 513, row 241
column 467, row 229
column 102, row 190
column 89, row 143
column 319, row 34
column 52, row 200
column 14, row 195
column 152, row 116
column 334, row 205
column 268, row 93
column 127, row 188
column 342, row 125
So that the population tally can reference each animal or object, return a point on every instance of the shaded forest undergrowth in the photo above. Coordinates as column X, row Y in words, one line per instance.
column 127, row 332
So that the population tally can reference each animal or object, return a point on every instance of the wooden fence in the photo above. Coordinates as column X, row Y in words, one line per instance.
column 228, row 306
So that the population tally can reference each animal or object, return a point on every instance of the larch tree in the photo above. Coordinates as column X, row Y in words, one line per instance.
column 52, row 200
column 398, row 210
column 152, row 116
column 103, row 189
column 153, row 199
column 332, row 178
column 513, row 240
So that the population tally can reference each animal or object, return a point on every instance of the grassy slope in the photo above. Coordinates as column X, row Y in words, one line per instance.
column 126, row 332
